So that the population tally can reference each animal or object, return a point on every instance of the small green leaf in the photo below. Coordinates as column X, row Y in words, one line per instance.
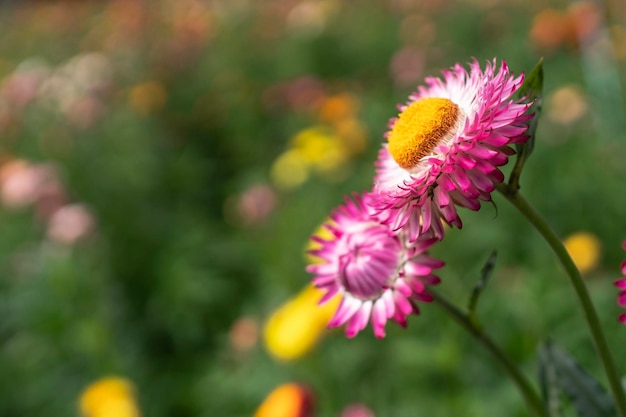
column 485, row 273
column 533, row 83
column 587, row 395
column 531, row 90
column 548, row 383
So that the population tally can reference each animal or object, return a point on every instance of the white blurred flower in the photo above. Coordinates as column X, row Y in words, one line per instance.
column 309, row 18
column 85, row 75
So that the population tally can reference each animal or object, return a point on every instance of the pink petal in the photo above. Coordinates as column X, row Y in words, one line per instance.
column 379, row 319
column 621, row 299
column 345, row 312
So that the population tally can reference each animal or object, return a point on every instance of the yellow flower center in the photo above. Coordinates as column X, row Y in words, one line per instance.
column 420, row 128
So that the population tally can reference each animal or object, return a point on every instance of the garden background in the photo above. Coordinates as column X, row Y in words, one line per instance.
column 163, row 163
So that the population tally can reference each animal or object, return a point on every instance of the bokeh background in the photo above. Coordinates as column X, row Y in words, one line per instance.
column 163, row 163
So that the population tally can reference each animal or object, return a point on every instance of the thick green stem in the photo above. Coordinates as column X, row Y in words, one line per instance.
column 597, row 335
column 528, row 392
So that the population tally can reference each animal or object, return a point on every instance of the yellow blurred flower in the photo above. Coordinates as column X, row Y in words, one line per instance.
column 322, row 233
column 289, row 170
column 334, row 163
column 317, row 145
column 584, row 248
column 618, row 36
column 296, row 326
column 316, row 148
column 566, row 105
column 109, row 397
column 287, row 400
column 325, row 148
column 147, row 98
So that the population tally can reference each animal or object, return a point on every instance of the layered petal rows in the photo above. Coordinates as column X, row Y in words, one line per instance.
column 462, row 168
column 443, row 151
column 377, row 274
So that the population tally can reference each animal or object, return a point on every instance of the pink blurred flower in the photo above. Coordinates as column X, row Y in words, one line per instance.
column 125, row 20
column 21, row 182
column 70, row 223
column 445, row 147
column 356, row 410
column 256, row 203
column 84, row 112
column 407, row 66
column 621, row 284
column 379, row 276
column 22, row 86
column 51, row 196
column 244, row 334
column 304, row 92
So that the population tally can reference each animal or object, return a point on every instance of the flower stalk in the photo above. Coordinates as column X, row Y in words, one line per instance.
column 589, row 312
column 527, row 391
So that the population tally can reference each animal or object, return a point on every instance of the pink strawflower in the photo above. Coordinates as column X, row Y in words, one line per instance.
column 621, row 284
column 444, row 148
column 378, row 274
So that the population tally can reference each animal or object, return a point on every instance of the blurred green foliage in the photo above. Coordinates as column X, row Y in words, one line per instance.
column 159, row 125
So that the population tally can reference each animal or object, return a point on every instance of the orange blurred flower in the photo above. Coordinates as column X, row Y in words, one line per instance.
column 553, row 29
column 585, row 19
column 288, row 400
column 147, row 98
column 550, row 29
column 338, row 107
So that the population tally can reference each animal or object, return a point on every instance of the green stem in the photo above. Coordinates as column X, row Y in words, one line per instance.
column 530, row 396
column 576, row 280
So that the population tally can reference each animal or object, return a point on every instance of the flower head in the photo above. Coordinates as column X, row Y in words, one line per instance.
column 378, row 275
column 621, row 284
column 444, row 148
